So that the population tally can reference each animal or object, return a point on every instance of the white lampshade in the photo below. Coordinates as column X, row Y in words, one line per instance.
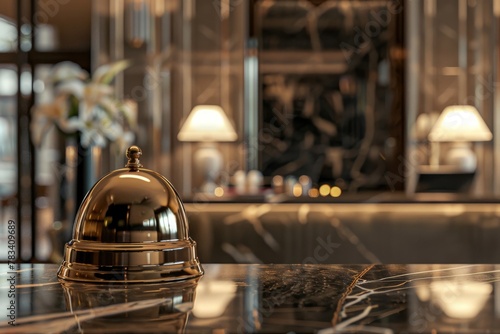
column 460, row 123
column 207, row 123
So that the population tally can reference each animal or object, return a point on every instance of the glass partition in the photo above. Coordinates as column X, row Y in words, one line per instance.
column 452, row 60
column 184, row 53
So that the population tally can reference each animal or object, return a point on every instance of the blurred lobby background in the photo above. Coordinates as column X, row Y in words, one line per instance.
column 369, row 125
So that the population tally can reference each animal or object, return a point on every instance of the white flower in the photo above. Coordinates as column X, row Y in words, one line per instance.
column 86, row 106
column 71, row 87
column 67, row 70
column 92, row 137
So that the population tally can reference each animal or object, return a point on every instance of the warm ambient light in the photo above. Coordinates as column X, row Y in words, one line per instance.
column 297, row 190
column 460, row 299
column 324, row 190
column 278, row 180
column 219, row 192
column 313, row 192
column 460, row 125
column 207, row 123
column 335, row 191
column 213, row 298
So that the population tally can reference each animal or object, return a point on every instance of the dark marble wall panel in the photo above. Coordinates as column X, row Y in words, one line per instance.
column 328, row 91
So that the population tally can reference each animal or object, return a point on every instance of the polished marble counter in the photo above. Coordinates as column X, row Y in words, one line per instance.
column 240, row 298
column 368, row 232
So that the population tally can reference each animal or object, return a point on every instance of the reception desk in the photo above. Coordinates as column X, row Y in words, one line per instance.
column 239, row 298
column 375, row 230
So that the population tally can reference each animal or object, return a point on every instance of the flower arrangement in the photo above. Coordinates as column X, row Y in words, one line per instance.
column 86, row 106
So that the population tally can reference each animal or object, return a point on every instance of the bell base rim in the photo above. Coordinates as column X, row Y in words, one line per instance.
column 136, row 275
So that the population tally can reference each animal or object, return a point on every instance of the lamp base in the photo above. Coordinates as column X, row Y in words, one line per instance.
column 207, row 163
column 461, row 156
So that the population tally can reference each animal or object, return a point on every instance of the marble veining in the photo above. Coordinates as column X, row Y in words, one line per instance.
column 253, row 214
column 370, row 232
column 240, row 298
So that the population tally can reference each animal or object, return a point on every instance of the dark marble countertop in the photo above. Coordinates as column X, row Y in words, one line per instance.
column 237, row 298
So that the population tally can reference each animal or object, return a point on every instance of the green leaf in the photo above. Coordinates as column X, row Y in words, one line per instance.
column 74, row 106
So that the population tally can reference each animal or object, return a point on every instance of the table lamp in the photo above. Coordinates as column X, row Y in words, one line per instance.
column 460, row 125
column 207, row 124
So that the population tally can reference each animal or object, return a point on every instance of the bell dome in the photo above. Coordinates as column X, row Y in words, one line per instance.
column 131, row 226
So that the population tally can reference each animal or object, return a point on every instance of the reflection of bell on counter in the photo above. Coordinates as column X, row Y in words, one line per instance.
column 132, row 227
column 131, row 308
